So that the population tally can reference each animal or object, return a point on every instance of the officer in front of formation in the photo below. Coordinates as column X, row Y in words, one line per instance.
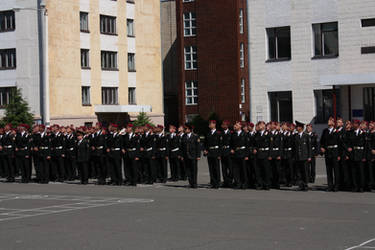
column 191, row 153
column 226, row 160
column 132, row 150
column 147, row 140
column 23, row 152
column 239, row 157
column 331, row 147
column 262, row 145
column 114, row 147
column 174, row 145
column 212, row 150
column 356, row 148
column 83, row 152
column 302, row 145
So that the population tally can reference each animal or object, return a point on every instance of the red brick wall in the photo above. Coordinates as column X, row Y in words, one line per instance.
column 218, row 48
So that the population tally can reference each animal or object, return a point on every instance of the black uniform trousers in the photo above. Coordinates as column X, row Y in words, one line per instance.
column 23, row 164
column 263, row 173
column 288, row 169
column 101, row 168
column 161, row 170
column 311, row 169
column 301, row 167
column 226, row 167
column 44, row 164
column 132, row 167
column 250, row 170
column 149, row 170
column 175, row 168
column 358, row 175
column 214, row 168
column 346, row 180
column 71, row 168
column 9, row 167
column 182, row 170
column 333, row 173
column 192, row 171
column 57, row 168
column 84, row 168
column 239, row 173
column 276, row 172
column 116, row 171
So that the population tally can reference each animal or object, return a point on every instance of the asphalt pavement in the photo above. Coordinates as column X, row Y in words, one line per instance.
column 172, row 216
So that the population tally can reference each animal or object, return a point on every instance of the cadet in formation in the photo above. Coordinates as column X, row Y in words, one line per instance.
column 260, row 156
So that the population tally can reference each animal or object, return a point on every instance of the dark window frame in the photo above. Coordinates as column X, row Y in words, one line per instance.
column 82, row 29
column 7, row 21
column 109, row 93
column 274, row 36
column 8, row 59
column 368, row 22
column 86, row 100
column 85, row 63
column 320, row 30
column 108, row 25
column 109, row 60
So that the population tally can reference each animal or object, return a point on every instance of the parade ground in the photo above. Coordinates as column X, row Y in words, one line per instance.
column 174, row 217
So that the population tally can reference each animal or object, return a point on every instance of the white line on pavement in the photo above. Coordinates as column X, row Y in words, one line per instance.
column 362, row 245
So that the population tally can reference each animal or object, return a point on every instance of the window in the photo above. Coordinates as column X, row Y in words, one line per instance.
column 368, row 50
column 7, row 58
column 6, row 95
column 190, row 57
column 85, row 62
column 242, row 56
column 109, row 96
column 243, row 91
column 281, row 106
column 368, row 22
column 131, row 62
column 109, row 60
column 369, row 103
column 84, row 21
column 131, row 96
column 241, row 21
column 130, row 27
column 279, row 43
column 324, row 104
column 108, row 25
column 191, row 92
column 86, row 96
column 187, row 1
column 7, row 21
column 326, row 43
column 190, row 24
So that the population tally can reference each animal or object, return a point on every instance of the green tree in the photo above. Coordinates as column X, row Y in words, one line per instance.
column 142, row 119
column 17, row 111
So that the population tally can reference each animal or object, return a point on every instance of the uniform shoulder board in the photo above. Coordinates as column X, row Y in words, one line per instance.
column 198, row 140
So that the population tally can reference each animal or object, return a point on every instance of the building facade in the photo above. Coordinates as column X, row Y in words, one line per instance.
column 19, row 53
column 212, row 59
column 98, row 59
column 310, row 59
column 170, row 62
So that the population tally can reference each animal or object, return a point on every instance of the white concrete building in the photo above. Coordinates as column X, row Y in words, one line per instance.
column 19, row 52
column 305, row 54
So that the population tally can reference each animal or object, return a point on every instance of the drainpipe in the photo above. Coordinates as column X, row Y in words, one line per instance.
column 43, row 54
column 249, row 56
